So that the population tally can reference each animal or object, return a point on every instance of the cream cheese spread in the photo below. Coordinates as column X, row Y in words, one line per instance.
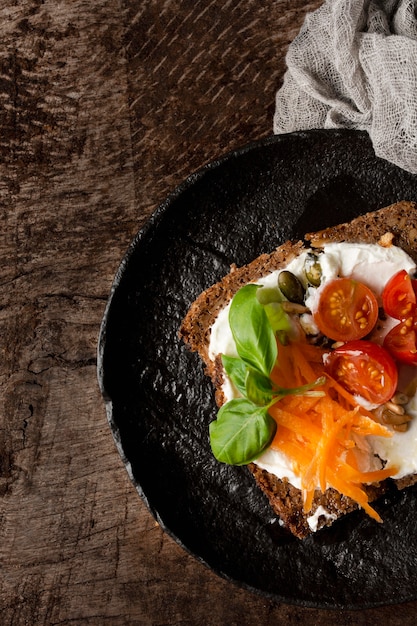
column 313, row 520
column 372, row 265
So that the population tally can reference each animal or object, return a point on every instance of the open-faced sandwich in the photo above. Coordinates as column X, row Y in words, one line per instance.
column 312, row 352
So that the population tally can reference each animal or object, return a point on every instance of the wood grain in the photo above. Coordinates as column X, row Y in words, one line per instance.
column 104, row 108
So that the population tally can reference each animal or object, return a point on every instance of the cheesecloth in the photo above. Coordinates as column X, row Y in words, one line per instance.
column 354, row 65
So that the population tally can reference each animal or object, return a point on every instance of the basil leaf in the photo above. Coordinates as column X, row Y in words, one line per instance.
column 241, row 432
column 236, row 370
column 251, row 330
column 258, row 387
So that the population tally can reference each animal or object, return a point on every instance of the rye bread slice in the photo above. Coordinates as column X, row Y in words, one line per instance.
column 392, row 225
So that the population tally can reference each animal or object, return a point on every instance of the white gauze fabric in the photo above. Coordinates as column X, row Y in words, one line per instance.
column 354, row 65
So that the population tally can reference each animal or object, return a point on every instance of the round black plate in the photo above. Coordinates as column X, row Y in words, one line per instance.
column 159, row 402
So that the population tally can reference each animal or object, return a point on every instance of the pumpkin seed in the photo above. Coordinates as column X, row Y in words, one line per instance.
column 291, row 287
column 313, row 270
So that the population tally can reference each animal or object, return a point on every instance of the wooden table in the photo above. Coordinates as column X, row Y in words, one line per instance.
column 106, row 107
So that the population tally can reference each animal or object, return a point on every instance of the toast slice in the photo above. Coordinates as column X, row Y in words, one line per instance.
column 395, row 224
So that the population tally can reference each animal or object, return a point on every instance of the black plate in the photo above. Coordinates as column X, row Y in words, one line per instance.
column 159, row 402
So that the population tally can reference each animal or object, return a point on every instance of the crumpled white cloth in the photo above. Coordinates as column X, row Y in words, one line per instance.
column 354, row 65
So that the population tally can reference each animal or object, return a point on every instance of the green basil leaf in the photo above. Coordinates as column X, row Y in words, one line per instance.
column 241, row 432
column 258, row 387
column 251, row 330
column 236, row 370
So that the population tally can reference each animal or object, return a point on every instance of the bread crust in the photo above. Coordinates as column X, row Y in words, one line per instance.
column 195, row 328
column 395, row 224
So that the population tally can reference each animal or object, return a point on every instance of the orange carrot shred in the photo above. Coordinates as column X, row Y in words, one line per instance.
column 319, row 433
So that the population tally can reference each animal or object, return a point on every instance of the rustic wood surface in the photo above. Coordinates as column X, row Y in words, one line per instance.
column 105, row 107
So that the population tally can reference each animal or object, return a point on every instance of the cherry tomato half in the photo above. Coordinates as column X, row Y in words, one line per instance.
column 347, row 310
column 401, row 341
column 399, row 297
column 365, row 369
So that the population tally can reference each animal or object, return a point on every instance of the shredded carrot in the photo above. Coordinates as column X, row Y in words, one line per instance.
column 297, row 363
column 320, row 433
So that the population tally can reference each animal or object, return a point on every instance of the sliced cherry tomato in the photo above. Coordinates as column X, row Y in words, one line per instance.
column 365, row 369
column 347, row 310
column 399, row 295
column 401, row 341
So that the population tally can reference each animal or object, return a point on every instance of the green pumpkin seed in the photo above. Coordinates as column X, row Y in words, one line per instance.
column 313, row 270
column 291, row 287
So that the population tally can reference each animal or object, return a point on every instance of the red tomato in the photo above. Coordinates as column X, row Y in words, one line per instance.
column 399, row 297
column 365, row 369
column 401, row 341
column 347, row 310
